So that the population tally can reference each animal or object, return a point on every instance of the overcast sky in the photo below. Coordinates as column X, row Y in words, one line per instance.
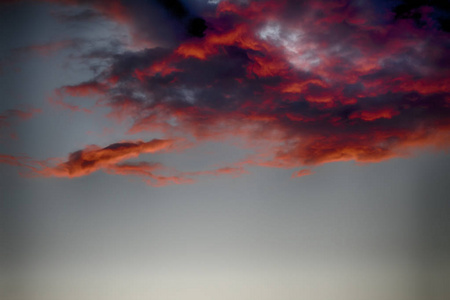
column 224, row 150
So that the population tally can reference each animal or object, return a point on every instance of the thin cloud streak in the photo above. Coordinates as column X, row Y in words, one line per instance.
column 93, row 158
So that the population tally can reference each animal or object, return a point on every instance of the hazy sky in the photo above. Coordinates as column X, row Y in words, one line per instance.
column 224, row 150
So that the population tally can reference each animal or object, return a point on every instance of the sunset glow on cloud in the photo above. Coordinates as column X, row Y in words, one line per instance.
column 316, row 81
column 224, row 149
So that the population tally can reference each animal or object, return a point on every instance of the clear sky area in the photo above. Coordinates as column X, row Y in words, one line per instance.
column 241, row 149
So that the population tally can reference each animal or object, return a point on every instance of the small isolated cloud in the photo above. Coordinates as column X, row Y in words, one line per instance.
column 301, row 173
column 114, row 159
column 93, row 158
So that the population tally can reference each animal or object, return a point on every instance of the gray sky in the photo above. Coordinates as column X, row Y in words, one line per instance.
column 190, row 191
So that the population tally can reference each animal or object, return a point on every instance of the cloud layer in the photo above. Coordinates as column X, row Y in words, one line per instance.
column 311, row 81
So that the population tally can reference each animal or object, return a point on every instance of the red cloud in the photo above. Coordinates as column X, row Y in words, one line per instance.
column 84, row 89
column 81, row 90
column 149, row 173
column 233, row 171
column 371, row 115
column 301, row 173
column 110, row 160
column 93, row 158
column 315, row 82
column 12, row 160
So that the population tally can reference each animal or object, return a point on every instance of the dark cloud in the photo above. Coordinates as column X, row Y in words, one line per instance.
column 424, row 12
column 340, row 82
column 196, row 27
column 175, row 8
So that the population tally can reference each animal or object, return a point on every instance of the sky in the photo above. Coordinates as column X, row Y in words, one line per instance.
column 234, row 149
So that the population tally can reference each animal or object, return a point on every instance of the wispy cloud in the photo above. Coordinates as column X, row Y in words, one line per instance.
column 93, row 158
column 46, row 49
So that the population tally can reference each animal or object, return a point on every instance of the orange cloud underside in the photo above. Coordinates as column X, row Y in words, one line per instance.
column 331, row 84
column 93, row 158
